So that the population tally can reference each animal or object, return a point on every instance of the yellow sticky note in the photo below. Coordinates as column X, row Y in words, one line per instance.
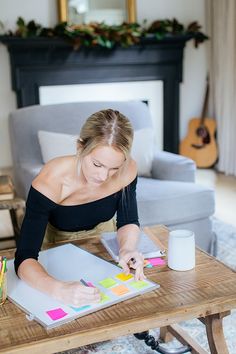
column 108, row 282
column 124, row 277
column 120, row 290
column 138, row 284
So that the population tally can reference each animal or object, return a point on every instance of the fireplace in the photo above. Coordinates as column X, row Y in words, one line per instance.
column 40, row 62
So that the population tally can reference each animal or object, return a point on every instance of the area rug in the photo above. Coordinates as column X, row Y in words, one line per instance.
column 226, row 235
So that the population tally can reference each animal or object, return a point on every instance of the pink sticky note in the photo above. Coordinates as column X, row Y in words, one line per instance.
column 56, row 314
column 157, row 261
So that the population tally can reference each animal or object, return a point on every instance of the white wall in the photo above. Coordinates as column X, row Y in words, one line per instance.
column 45, row 13
column 192, row 89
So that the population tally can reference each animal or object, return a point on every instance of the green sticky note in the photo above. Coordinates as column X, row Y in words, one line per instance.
column 104, row 298
column 108, row 282
column 138, row 284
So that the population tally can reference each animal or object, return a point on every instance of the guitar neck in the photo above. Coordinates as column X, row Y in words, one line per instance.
column 204, row 108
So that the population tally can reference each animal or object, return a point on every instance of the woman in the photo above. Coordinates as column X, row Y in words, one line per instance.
column 76, row 193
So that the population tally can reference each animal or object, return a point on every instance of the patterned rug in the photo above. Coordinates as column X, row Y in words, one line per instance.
column 131, row 345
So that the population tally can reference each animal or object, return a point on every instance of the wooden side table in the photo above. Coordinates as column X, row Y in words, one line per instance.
column 12, row 205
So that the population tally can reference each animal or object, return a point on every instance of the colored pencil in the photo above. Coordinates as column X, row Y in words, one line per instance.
column 3, row 270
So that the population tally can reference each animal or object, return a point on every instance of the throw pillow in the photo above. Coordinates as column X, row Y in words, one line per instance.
column 59, row 144
column 56, row 144
column 143, row 150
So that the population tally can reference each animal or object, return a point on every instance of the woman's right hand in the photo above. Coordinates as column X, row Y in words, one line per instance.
column 76, row 294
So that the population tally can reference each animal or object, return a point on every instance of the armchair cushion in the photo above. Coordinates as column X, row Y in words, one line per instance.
column 173, row 167
column 172, row 202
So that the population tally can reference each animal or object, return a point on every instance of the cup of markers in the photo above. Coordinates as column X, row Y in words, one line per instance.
column 3, row 279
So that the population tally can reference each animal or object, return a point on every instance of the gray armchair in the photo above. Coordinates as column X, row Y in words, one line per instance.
column 168, row 196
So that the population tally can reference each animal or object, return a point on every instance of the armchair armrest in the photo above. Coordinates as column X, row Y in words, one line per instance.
column 24, row 174
column 173, row 167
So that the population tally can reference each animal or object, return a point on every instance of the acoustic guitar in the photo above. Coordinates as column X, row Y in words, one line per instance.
column 200, row 144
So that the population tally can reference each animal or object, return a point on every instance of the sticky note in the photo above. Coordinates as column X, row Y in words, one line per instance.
column 149, row 266
column 108, row 282
column 104, row 297
column 77, row 309
column 138, row 284
column 120, row 290
column 124, row 277
column 157, row 261
column 56, row 314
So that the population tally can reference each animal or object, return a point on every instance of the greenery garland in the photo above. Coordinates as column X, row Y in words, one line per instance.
column 100, row 34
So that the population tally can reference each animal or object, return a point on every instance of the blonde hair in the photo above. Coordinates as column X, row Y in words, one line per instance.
column 106, row 127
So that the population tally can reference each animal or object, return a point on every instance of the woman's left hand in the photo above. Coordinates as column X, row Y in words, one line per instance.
column 132, row 259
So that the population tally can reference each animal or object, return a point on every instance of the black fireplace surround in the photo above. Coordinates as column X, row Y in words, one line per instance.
column 39, row 62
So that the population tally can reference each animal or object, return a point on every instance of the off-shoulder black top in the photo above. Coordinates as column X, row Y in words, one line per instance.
column 40, row 210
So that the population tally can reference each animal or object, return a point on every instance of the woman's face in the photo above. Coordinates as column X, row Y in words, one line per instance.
column 102, row 163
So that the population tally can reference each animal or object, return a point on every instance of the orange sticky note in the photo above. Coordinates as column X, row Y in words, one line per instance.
column 146, row 262
column 124, row 277
column 120, row 290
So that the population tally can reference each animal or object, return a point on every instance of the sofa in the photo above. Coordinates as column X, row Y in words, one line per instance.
column 166, row 191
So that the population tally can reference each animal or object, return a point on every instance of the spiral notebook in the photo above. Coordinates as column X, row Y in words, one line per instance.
column 146, row 246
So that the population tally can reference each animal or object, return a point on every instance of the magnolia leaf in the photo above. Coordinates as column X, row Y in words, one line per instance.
column 20, row 22
column 104, row 35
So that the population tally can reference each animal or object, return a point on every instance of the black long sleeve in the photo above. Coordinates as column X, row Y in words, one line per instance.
column 38, row 208
column 127, row 211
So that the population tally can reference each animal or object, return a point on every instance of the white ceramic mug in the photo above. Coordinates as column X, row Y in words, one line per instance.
column 181, row 250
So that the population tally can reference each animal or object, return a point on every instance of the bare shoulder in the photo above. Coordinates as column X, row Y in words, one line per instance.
column 49, row 181
column 129, row 174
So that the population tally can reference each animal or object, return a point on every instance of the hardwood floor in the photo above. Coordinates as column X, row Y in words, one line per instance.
column 225, row 193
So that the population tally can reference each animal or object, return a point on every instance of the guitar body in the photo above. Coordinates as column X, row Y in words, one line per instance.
column 200, row 144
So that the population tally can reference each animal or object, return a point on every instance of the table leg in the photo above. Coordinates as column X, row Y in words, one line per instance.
column 215, row 333
column 165, row 335
column 14, row 223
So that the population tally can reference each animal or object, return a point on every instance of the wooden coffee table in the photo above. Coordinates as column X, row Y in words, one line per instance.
column 208, row 293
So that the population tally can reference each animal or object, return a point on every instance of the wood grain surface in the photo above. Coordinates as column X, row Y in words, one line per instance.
column 207, row 290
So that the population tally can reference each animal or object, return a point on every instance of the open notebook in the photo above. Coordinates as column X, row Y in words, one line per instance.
column 146, row 246
column 70, row 263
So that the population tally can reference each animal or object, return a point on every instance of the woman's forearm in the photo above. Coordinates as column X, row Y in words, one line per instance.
column 36, row 276
column 129, row 256
column 128, row 237
column 72, row 292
